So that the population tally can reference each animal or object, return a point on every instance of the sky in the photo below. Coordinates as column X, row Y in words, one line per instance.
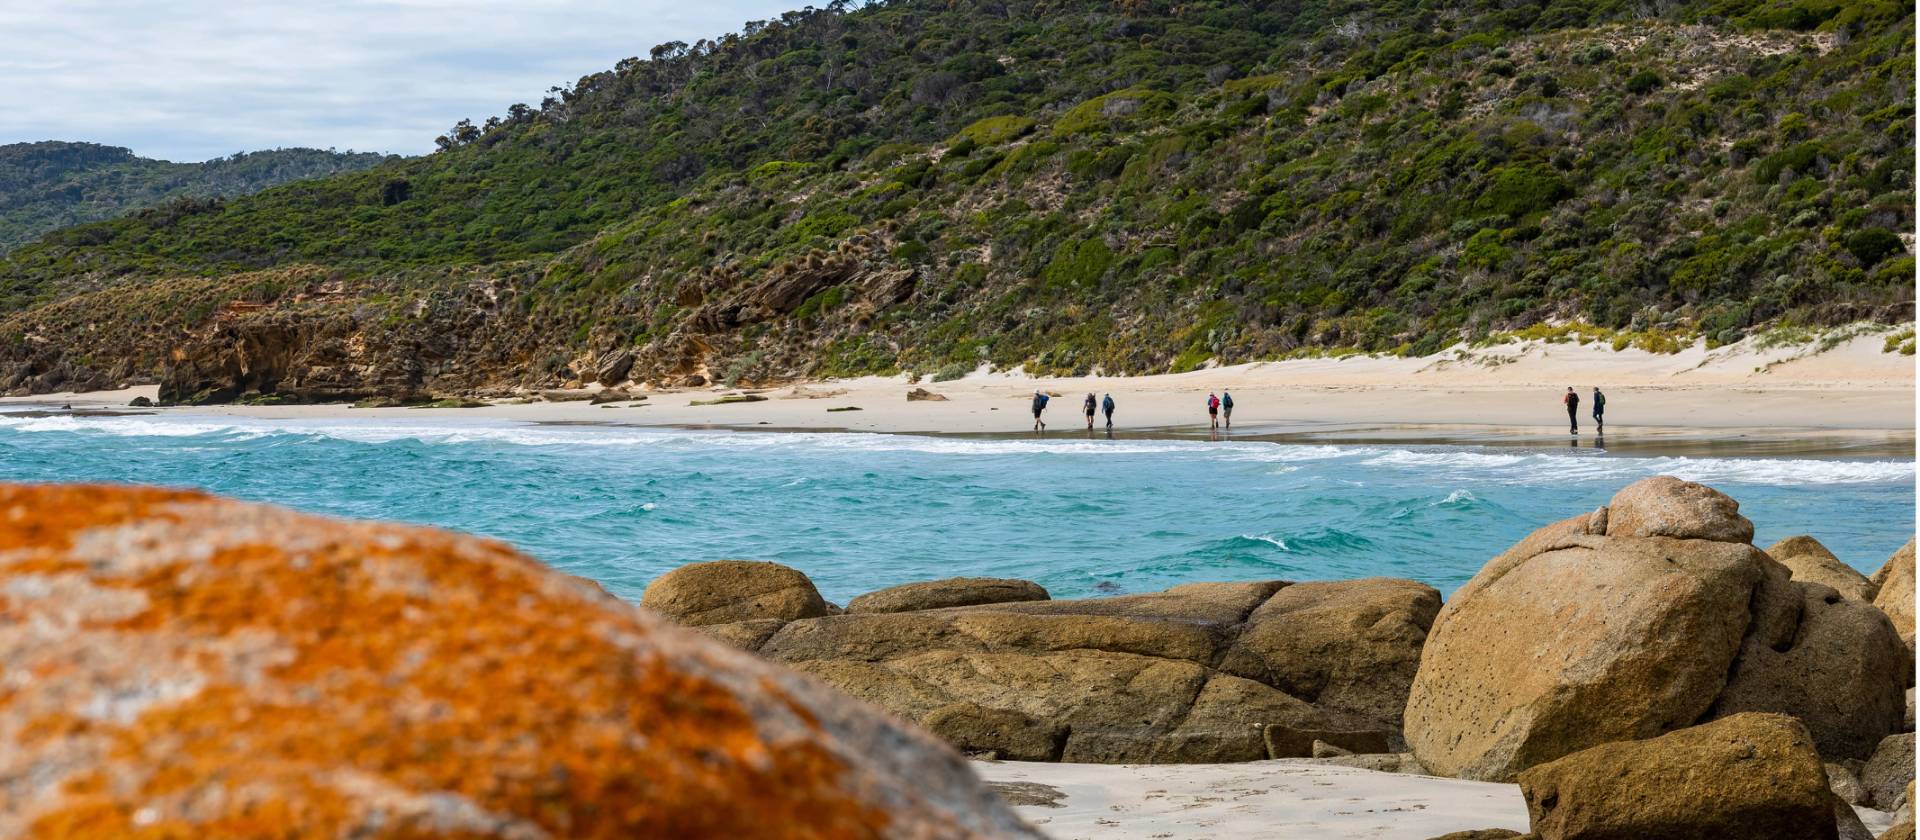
column 187, row 80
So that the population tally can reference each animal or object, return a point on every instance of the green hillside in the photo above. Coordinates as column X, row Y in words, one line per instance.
column 1134, row 186
column 51, row 184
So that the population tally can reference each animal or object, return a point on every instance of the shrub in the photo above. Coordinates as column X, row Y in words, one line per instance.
column 992, row 131
column 1872, row 245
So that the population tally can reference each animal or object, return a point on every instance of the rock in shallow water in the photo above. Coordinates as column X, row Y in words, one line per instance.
column 204, row 668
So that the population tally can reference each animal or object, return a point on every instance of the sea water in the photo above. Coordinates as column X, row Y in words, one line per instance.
column 858, row 512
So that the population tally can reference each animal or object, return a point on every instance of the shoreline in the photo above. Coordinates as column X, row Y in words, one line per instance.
column 1850, row 400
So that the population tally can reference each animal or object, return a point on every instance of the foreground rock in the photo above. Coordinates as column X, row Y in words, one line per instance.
column 1895, row 596
column 1199, row 673
column 1646, row 616
column 1811, row 562
column 1751, row 776
column 209, row 668
column 724, row 591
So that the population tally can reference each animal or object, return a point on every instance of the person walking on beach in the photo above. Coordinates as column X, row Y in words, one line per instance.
column 1213, row 411
column 1599, row 408
column 1106, row 405
column 1226, row 407
column 1039, row 405
column 1088, row 405
column 1572, row 401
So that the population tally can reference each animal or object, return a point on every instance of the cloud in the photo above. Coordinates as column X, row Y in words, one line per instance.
column 194, row 79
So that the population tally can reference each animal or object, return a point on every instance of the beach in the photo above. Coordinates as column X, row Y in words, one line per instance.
column 1852, row 399
column 1280, row 798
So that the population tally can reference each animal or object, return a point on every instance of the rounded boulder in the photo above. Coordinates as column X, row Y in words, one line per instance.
column 724, row 591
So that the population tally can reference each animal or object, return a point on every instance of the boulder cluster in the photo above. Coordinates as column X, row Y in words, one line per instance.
column 1624, row 666
column 1203, row 672
column 180, row 665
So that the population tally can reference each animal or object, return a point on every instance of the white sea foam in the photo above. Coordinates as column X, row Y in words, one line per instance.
column 1268, row 538
column 1448, row 463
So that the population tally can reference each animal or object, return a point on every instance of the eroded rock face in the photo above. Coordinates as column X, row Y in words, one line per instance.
column 951, row 592
column 204, row 668
column 723, row 591
column 1813, row 563
column 1895, row 596
column 1752, row 776
column 1646, row 616
column 1132, row 678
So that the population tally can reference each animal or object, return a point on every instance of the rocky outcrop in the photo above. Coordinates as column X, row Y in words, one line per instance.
column 724, row 591
column 301, row 360
column 1894, row 581
column 1132, row 678
column 209, row 668
column 1646, row 616
column 1811, row 562
column 612, row 367
column 1752, row 776
column 951, row 592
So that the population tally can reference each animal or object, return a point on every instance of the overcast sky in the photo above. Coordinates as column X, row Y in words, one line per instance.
column 191, row 79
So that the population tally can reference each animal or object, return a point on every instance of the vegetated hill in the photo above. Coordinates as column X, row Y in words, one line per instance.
column 53, row 184
column 1134, row 186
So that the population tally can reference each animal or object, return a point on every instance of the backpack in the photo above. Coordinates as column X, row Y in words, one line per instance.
column 1227, row 400
column 1213, row 401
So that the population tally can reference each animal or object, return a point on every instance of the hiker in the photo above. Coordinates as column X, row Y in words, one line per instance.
column 1039, row 405
column 1106, row 405
column 1599, row 408
column 1572, row 401
column 1088, row 405
column 1213, row 411
column 1226, row 407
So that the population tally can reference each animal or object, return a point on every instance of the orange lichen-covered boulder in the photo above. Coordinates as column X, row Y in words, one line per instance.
column 175, row 665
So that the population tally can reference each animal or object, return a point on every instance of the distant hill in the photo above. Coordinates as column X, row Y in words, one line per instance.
column 54, row 184
column 1135, row 186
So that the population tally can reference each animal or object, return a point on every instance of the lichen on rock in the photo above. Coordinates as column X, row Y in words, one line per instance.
column 180, row 665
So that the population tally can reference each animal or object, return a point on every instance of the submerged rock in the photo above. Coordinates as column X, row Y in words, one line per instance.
column 723, row 591
column 1751, row 776
column 1647, row 616
column 1811, row 562
column 210, row 668
column 951, row 592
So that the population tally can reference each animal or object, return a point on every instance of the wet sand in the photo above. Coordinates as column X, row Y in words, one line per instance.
column 1852, row 400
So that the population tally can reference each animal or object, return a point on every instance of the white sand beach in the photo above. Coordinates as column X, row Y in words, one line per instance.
column 1507, row 392
column 1279, row 799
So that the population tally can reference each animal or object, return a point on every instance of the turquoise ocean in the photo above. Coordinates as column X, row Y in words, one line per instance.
column 858, row 512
